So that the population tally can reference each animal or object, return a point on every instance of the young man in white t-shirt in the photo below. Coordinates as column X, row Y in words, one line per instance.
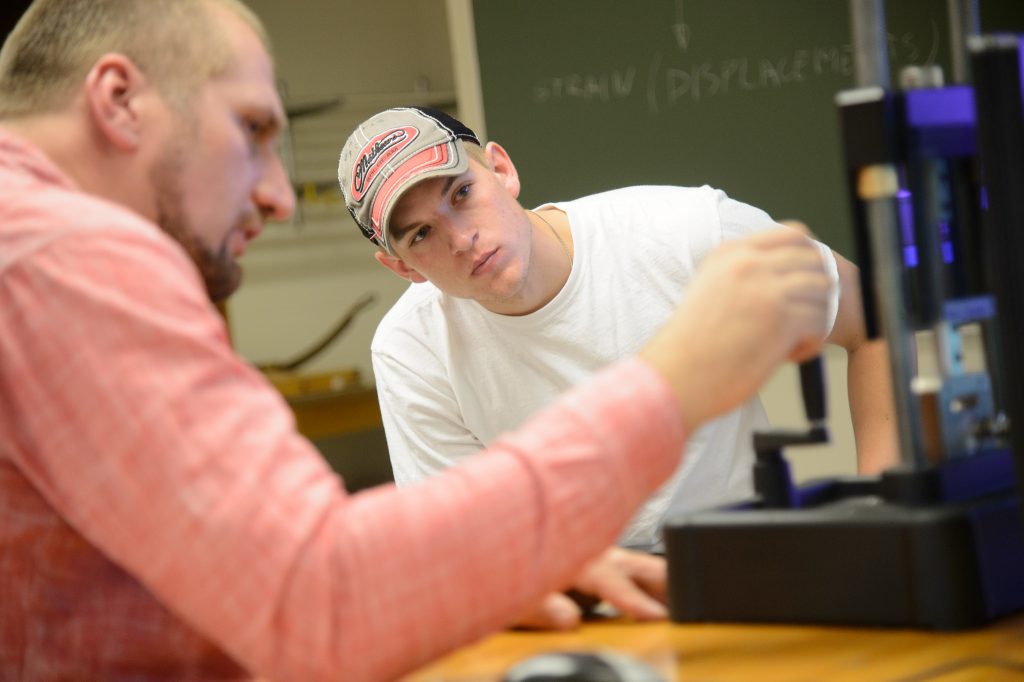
column 509, row 306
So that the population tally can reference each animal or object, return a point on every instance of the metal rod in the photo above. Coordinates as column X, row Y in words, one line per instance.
column 870, row 43
column 963, row 24
column 877, row 188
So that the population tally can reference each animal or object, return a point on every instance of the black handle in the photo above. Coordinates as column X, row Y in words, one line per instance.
column 772, row 480
column 812, row 386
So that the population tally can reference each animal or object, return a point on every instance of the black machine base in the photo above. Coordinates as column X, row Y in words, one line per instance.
column 855, row 552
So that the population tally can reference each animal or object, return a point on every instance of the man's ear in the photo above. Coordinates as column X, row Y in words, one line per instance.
column 398, row 266
column 112, row 89
column 501, row 164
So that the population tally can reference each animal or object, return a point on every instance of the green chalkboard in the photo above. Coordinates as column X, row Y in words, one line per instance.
column 588, row 95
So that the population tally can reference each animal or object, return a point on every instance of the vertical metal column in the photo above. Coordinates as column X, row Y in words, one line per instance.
column 963, row 25
column 877, row 187
column 870, row 43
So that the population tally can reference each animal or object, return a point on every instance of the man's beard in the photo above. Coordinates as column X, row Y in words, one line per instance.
column 220, row 273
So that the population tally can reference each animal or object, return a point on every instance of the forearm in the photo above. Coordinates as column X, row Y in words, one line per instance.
column 248, row 536
column 411, row 575
column 872, row 407
column 180, row 464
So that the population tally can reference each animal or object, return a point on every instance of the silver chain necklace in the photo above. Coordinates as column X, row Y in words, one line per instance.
column 565, row 248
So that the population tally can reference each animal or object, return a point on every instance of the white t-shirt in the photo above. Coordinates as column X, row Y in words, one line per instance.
column 452, row 375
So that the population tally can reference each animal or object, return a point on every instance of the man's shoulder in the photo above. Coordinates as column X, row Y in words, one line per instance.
column 645, row 210
column 416, row 315
column 56, row 217
column 646, row 193
column 647, row 219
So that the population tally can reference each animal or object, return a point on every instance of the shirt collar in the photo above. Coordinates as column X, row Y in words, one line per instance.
column 19, row 154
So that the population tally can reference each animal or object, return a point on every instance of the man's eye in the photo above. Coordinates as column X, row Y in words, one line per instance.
column 462, row 192
column 420, row 235
column 257, row 129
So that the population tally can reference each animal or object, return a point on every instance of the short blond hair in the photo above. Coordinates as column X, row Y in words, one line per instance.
column 476, row 151
column 176, row 43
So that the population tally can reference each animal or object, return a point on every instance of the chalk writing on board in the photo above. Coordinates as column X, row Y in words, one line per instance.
column 672, row 80
column 681, row 32
column 680, row 29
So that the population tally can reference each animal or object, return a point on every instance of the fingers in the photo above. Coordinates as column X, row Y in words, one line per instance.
column 755, row 302
column 555, row 612
column 650, row 572
column 798, row 225
column 779, row 257
column 786, row 250
column 800, row 281
column 792, row 234
column 633, row 583
column 805, row 350
column 786, row 280
column 630, row 599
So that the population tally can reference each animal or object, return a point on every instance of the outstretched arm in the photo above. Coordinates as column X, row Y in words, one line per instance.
column 195, row 484
column 868, row 378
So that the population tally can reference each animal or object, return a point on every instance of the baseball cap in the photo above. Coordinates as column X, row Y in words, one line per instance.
column 389, row 153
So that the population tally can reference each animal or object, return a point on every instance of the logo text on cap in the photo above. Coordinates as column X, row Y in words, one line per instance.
column 375, row 154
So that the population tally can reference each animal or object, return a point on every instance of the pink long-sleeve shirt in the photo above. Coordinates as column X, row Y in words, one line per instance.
column 161, row 518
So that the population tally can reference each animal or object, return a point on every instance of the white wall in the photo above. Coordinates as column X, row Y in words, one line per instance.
column 300, row 278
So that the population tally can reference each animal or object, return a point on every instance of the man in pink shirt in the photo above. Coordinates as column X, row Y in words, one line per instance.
column 159, row 515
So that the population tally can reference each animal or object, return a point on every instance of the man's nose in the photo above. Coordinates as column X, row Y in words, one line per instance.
column 461, row 238
column 273, row 193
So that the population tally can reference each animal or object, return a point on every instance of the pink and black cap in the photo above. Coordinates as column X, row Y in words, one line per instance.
column 389, row 153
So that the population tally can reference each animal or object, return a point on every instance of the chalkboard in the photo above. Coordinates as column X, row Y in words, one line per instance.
column 588, row 95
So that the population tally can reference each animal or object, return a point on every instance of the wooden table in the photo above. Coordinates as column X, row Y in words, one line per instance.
column 762, row 653
column 329, row 403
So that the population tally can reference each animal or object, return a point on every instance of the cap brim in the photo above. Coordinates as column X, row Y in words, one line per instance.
column 434, row 162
